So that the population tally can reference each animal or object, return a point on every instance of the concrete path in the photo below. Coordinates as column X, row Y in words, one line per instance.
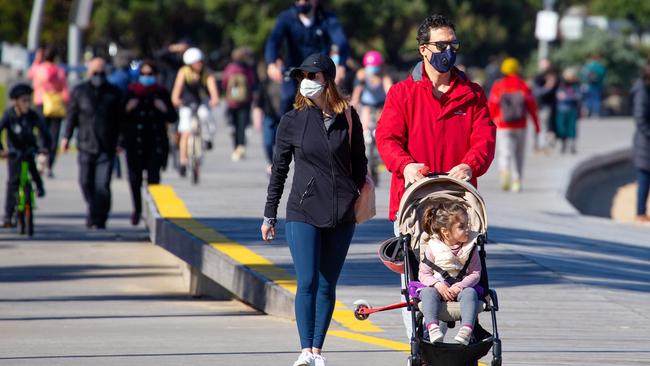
column 571, row 287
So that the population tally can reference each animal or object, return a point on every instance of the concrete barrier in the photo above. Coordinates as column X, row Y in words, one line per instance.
column 212, row 272
column 599, row 176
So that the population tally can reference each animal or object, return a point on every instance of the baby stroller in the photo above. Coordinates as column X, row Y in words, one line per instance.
column 420, row 195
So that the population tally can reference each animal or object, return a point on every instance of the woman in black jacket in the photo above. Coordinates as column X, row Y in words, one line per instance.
column 641, row 147
column 148, row 110
column 330, row 170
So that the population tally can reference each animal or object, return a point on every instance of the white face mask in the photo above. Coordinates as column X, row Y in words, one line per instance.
column 311, row 88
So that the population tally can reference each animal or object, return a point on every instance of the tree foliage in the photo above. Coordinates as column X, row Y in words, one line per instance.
column 621, row 60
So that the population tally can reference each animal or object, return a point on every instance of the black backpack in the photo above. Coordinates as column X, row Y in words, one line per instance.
column 513, row 106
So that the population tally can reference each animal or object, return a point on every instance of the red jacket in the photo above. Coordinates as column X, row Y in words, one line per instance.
column 512, row 83
column 415, row 127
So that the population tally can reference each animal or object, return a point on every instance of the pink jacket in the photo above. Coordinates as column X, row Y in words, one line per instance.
column 429, row 277
column 48, row 77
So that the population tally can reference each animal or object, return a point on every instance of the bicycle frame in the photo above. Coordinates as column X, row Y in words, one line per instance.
column 24, row 180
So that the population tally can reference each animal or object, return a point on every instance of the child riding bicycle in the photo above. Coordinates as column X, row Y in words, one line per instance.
column 20, row 120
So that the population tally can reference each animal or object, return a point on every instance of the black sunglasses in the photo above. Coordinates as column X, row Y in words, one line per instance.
column 442, row 45
column 309, row 75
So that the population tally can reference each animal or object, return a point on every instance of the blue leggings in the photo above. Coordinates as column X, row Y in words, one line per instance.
column 318, row 255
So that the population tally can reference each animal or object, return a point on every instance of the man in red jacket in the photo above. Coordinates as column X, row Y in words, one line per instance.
column 510, row 102
column 436, row 118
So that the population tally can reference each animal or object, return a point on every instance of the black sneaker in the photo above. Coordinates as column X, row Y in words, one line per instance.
column 182, row 170
column 40, row 192
column 207, row 144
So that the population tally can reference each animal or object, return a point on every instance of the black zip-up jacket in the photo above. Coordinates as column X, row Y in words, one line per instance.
column 20, row 131
column 97, row 113
column 329, row 173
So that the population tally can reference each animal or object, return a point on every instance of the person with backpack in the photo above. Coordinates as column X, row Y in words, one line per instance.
column 239, row 81
column 51, row 96
column 510, row 102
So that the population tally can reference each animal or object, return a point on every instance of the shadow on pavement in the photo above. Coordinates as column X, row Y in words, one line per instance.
column 41, row 273
column 600, row 263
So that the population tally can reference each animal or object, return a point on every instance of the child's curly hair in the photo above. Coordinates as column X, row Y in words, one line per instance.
column 443, row 215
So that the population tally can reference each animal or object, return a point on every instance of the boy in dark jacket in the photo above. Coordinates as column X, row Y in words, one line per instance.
column 20, row 121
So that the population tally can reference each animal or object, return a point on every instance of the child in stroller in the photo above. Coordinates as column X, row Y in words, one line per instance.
column 404, row 254
column 450, row 268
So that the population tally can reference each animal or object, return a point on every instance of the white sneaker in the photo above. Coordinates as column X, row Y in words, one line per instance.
column 463, row 336
column 319, row 360
column 305, row 359
column 435, row 334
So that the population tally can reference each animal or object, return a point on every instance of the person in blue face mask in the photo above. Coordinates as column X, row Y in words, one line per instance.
column 148, row 110
column 436, row 118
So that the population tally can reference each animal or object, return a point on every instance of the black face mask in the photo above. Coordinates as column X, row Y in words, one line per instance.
column 97, row 79
column 303, row 8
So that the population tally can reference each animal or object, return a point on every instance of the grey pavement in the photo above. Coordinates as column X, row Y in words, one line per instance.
column 75, row 297
column 573, row 289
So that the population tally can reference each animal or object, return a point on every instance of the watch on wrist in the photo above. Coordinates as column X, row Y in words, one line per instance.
column 270, row 221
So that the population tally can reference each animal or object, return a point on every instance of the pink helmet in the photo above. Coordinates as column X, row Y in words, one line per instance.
column 372, row 58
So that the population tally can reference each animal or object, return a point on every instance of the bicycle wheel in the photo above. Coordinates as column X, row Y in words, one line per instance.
column 20, row 221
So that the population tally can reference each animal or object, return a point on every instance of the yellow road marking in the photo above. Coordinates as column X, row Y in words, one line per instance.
column 386, row 343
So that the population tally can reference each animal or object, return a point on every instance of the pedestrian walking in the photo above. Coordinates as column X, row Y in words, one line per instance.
column 95, row 113
column 239, row 83
column 330, row 170
column 305, row 28
column 545, row 86
column 436, row 118
column 266, row 107
column 511, row 101
column 641, row 144
column 148, row 110
column 371, row 85
column 50, row 98
column 568, row 110
column 593, row 77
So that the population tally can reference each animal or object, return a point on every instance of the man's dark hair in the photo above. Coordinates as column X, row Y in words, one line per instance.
column 433, row 21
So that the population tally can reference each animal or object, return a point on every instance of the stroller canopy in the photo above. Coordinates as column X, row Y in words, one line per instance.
column 433, row 191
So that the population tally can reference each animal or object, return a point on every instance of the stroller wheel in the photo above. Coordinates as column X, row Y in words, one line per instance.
column 358, row 312
column 496, row 361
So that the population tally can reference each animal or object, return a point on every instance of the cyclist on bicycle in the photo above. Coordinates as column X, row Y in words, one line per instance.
column 195, row 84
column 20, row 121
column 371, row 86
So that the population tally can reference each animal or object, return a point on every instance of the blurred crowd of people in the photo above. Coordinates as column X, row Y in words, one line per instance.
column 159, row 94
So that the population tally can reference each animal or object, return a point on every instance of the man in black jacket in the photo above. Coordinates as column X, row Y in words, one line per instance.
column 95, row 109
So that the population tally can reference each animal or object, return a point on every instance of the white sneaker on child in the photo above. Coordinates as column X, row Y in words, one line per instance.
column 319, row 360
column 305, row 359
column 435, row 334
column 463, row 336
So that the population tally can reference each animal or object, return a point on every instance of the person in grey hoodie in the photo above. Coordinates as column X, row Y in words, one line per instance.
column 641, row 144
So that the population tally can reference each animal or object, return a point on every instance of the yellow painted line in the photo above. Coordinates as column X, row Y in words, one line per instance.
column 382, row 342
column 169, row 205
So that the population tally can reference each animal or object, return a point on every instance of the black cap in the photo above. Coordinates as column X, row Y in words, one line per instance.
column 19, row 90
column 316, row 62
